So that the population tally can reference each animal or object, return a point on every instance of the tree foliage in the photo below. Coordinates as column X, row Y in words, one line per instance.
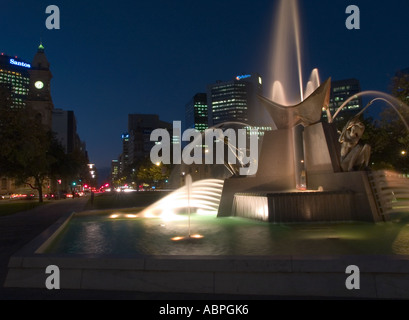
column 24, row 154
column 388, row 136
column 400, row 86
column 29, row 151
column 149, row 173
column 71, row 166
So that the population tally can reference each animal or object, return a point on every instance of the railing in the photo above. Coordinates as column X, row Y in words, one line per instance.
column 391, row 191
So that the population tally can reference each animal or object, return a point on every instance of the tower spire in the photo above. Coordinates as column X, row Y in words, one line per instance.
column 41, row 47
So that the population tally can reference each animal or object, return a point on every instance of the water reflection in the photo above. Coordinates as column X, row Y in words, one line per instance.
column 226, row 236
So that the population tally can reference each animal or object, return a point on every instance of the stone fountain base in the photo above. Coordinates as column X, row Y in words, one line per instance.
column 335, row 204
column 333, row 195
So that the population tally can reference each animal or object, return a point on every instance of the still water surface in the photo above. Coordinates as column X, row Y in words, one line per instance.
column 124, row 234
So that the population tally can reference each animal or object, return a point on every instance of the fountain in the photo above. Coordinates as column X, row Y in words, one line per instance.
column 305, row 167
column 305, row 174
column 332, row 168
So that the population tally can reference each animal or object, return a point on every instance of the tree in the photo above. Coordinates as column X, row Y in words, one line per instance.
column 398, row 146
column 400, row 86
column 30, row 153
column 27, row 151
column 152, row 173
column 25, row 143
column 388, row 135
column 67, row 167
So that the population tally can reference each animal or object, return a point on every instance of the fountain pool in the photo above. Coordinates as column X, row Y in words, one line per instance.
column 130, row 234
column 235, row 256
column 160, row 249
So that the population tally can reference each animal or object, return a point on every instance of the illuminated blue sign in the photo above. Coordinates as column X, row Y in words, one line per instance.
column 20, row 63
column 243, row 77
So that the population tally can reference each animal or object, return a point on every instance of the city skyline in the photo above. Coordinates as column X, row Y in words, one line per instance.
column 109, row 61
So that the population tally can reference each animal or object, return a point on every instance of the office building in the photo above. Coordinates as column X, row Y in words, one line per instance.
column 29, row 85
column 197, row 116
column 140, row 128
column 15, row 77
column 64, row 125
column 114, row 170
column 341, row 91
column 237, row 101
column 125, row 152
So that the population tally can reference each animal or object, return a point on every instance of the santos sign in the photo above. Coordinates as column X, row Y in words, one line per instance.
column 246, row 76
column 20, row 63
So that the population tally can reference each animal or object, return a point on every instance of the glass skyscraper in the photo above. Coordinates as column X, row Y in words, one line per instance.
column 341, row 91
column 197, row 113
column 14, row 75
column 228, row 102
column 237, row 101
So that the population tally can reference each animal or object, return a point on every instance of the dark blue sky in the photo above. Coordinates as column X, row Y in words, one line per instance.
column 112, row 58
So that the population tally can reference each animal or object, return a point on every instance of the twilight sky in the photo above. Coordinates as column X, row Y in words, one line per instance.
column 113, row 58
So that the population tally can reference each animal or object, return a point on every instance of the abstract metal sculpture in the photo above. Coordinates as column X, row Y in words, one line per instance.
column 307, row 113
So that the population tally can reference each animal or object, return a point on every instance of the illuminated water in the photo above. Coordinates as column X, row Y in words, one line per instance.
column 122, row 235
column 203, row 195
column 398, row 106
column 286, row 64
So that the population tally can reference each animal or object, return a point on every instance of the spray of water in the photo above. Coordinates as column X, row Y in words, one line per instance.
column 380, row 96
column 202, row 197
column 189, row 183
column 286, row 48
column 313, row 84
column 297, row 33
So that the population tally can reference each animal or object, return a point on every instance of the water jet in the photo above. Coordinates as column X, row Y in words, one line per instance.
column 240, row 253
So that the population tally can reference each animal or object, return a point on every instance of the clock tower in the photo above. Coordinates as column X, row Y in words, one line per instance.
column 39, row 98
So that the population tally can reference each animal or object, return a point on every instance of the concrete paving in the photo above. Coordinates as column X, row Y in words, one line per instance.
column 19, row 229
